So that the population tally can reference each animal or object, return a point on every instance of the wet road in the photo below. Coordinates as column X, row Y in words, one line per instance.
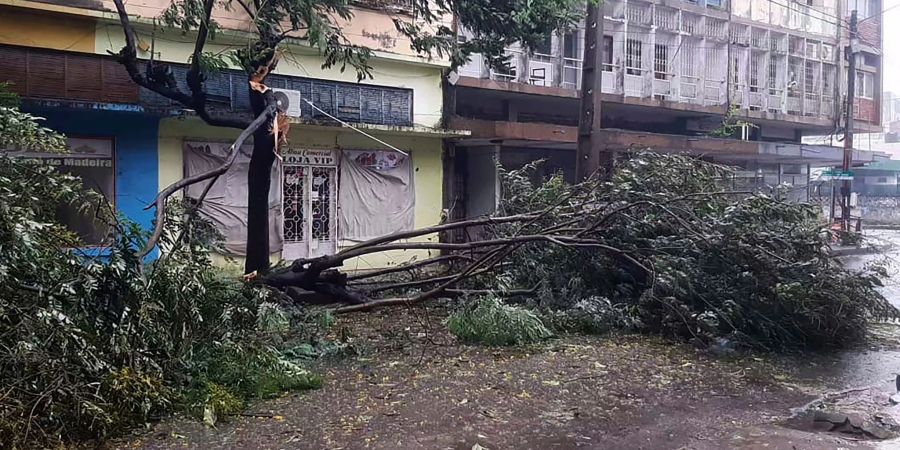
column 879, row 365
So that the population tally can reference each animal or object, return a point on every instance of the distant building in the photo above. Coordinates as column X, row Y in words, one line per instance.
column 671, row 70
column 129, row 142
column 879, row 179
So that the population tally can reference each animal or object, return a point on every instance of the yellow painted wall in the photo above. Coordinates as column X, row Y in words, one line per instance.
column 424, row 80
column 426, row 159
column 43, row 30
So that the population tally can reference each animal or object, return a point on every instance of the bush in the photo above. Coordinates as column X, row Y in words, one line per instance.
column 705, row 262
column 593, row 315
column 490, row 322
column 91, row 346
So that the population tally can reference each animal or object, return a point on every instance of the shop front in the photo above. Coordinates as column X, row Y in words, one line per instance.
column 324, row 199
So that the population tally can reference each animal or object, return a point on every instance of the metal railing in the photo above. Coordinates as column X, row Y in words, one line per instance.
column 571, row 73
column 638, row 13
column 662, row 85
column 665, row 18
column 689, row 88
column 712, row 92
column 811, row 104
column 690, row 23
column 634, row 82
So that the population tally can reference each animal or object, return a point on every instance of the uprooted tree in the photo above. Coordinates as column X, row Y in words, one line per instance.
column 665, row 245
column 664, row 238
column 492, row 26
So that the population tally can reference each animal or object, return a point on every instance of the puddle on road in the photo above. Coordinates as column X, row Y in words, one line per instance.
column 877, row 364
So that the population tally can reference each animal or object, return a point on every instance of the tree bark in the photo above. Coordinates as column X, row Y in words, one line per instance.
column 259, row 179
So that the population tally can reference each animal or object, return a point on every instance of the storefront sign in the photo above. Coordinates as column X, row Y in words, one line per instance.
column 310, row 157
column 68, row 162
column 81, row 152
column 379, row 159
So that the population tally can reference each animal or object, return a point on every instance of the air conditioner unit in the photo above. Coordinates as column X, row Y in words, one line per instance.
column 289, row 101
column 540, row 73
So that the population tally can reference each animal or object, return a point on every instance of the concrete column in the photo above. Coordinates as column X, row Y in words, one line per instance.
column 559, row 57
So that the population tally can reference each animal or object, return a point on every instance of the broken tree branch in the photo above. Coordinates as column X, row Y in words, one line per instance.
column 128, row 58
column 404, row 267
column 415, row 283
column 214, row 174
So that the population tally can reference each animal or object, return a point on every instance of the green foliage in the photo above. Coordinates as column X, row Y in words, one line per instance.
column 706, row 264
column 20, row 130
column 489, row 321
column 731, row 124
column 256, row 371
column 90, row 346
column 592, row 315
column 8, row 99
column 212, row 62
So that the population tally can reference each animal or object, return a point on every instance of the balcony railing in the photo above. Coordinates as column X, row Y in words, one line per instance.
column 679, row 80
column 638, row 13
column 571, row 73
column 404, row 6
column 666, row 18
column 689, row 89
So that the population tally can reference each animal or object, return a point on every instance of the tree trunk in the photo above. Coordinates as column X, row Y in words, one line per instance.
column 259, row 178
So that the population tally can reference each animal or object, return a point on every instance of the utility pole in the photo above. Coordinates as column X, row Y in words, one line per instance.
column 848, row 126
column 591, row 157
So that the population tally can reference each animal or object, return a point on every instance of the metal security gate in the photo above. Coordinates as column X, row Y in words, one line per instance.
column 309, row 203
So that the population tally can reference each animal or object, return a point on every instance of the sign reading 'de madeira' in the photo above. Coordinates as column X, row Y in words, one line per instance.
column 81, row 152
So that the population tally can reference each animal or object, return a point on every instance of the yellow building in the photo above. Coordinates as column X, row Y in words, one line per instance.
column 340, row 179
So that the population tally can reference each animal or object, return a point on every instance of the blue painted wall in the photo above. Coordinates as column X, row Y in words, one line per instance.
column 136, row 146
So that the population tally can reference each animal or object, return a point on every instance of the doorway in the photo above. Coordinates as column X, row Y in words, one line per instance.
column 309, row 203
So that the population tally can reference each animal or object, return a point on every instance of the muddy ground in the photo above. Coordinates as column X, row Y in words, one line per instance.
column 415, row 387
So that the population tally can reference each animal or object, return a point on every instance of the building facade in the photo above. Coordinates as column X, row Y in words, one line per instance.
column 129, row 143
column 671, row 71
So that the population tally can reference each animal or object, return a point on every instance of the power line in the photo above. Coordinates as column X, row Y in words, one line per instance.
column 838, row 23
column 881, row 13
column 356, row 129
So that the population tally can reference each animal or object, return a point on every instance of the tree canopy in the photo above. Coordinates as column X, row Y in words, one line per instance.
column 431, row 26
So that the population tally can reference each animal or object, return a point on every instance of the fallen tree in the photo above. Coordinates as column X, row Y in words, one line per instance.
column 270, row 26
column 666, row 241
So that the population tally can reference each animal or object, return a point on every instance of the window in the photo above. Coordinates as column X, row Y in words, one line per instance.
column 607, row 53
column 661, row 62
column 882, row 179
column 869, row 59
column 828, row 80
column 544, row 46
column 810, row 78
column 773, row 75
column 827, row 52
column 92, row 161
column 570, row 45
column 812, row 49
column 633, row 56
column 865, row 85
column 714, row 3
column 864, row 8
column 755, row 69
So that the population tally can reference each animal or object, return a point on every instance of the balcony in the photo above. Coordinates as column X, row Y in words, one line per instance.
column 572, row 73
column 696, row 74
column 715, row 29
column 399, row 6
column 638, row 13
column 666, row 18
column 690, row 23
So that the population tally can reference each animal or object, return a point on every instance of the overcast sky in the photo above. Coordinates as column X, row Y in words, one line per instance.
column 891, row 22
